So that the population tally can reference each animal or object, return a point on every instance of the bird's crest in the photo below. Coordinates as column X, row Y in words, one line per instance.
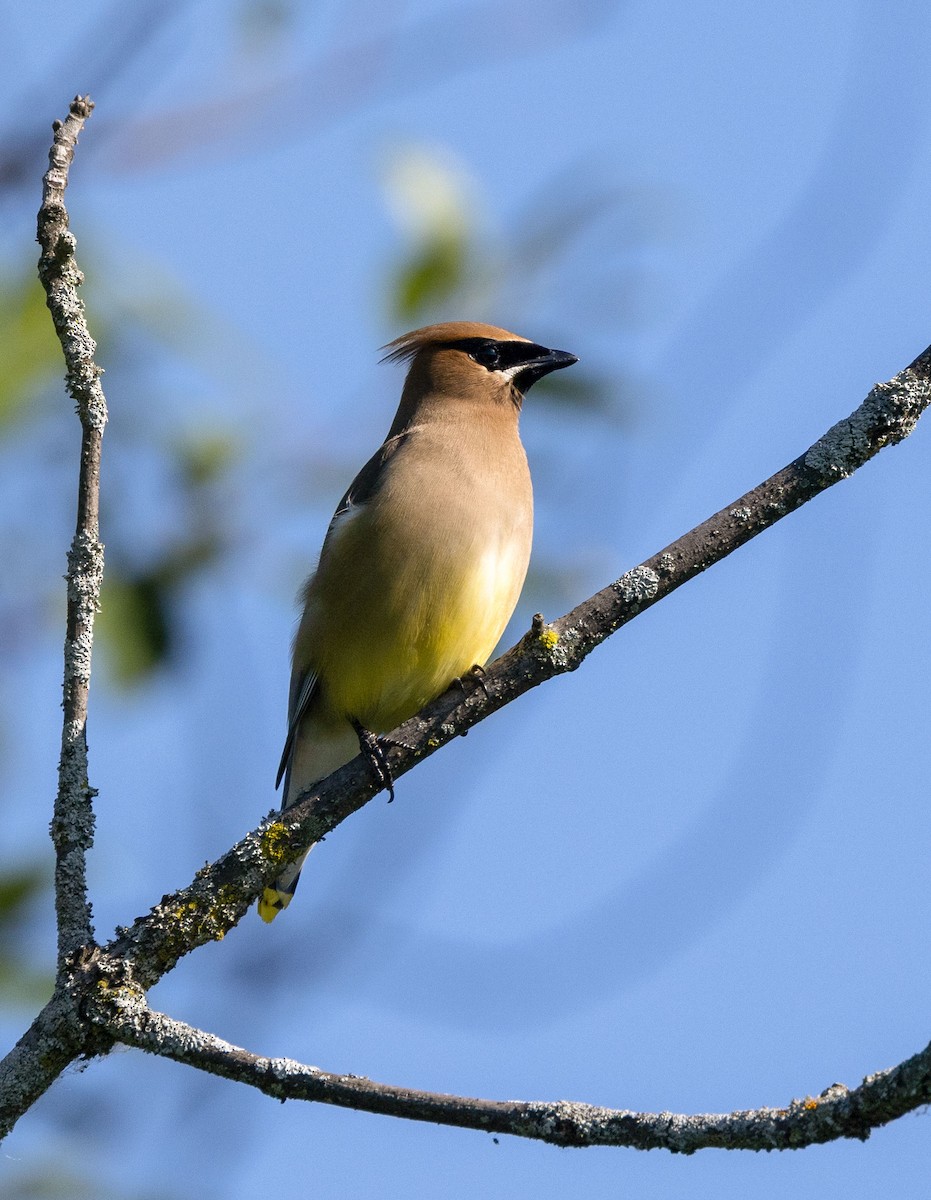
column 403, row 348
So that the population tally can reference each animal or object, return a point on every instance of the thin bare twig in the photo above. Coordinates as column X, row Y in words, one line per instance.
column 73, row 820
column 838, row 1112
column 60, row 1032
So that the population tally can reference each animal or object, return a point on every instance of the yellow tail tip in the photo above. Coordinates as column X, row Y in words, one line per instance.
column 271, row 903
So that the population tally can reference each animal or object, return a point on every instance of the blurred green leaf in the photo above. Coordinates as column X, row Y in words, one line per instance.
column 57, row 1182
column 18, row 886
column 431, row 195
column 195, row 554
column 134, row 624
column 137, row 623
column 20, row 986
column 432, row 274
column 29, row 352
column 204, row 457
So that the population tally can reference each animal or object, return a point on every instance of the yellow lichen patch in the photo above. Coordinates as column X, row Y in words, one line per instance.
column 184, row 910
column 274, row 843
column 212, row 925
column 549, row 639
column 809, row 1104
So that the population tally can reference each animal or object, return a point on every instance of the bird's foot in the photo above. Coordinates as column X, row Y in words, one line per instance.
column 475, row 675
column 375, row 750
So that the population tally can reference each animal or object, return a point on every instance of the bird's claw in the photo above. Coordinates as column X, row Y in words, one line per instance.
column 476, row 674
column 375, row 750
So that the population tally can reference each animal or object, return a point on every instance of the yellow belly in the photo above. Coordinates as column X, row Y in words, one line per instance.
column 396, row 632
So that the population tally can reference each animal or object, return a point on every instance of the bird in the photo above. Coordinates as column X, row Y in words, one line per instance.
column 424, row 559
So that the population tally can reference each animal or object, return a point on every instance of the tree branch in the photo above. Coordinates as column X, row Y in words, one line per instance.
column 222, row 892
column 836, row 1113
column 59, row 1034
column 73, row 819
column 100, row 994
column 54, row 1040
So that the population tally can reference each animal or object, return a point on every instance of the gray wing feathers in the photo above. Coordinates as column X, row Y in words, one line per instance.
column 303, row 695
column 367, row 482
column 362, row 488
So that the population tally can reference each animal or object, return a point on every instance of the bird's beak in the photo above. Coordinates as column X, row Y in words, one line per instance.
column 553, row 360
column 535, row 368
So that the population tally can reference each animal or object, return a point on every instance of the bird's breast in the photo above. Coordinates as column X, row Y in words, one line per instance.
column 417, row 586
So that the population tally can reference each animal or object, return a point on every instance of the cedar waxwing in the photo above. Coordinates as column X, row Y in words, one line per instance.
column 424, row 559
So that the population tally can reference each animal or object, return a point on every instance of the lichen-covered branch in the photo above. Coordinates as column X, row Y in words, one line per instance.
column 73, row 820
column 100, row 993
column 53, row 1041
column 222, row 892
column 60, row 1032
column 838, row 1112
column 887, row 416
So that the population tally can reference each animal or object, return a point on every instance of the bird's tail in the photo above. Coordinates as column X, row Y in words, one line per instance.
column 315, row 754
column 275, row 899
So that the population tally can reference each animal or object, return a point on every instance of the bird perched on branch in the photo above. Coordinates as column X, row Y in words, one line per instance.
column 424, row 559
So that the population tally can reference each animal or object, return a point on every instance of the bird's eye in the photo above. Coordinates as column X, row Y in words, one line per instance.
column 487, row 355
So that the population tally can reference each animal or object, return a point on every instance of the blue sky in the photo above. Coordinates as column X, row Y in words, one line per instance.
column 690, row 877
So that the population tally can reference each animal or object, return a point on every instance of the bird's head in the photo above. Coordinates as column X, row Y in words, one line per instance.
column 471, row 361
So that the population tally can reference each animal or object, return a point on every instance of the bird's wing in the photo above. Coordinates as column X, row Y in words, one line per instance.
column 303, row 694
column 369, row 479
column 362, row 488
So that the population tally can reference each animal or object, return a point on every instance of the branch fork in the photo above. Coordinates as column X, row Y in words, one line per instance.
column 100, row 992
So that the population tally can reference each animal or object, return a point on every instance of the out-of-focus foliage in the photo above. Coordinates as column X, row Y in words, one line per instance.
column 451, row 266
column 138, row 621
column 204, row 457
column 58, row 1183
column 29, row 352
column 138, row 336
column 429, row 196
column 174, row 468
column 19, row 985
column 134, row 624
